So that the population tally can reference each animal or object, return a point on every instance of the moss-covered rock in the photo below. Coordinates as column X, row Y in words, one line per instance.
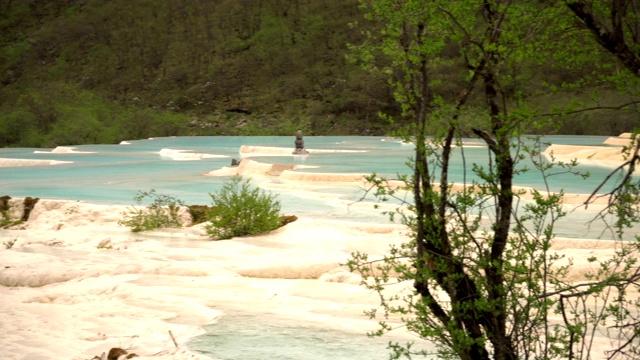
column 198, row 213
column 4, row 203
column 287, row 219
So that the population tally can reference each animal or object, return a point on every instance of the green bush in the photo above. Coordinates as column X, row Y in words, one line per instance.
column 161, row 213
column 240, row 209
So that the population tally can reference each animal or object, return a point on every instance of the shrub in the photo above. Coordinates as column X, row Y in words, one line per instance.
column 240, row 209
column 9, row 243
column 161, row 213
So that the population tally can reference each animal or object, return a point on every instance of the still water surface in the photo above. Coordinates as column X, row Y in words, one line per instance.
column 114, row 173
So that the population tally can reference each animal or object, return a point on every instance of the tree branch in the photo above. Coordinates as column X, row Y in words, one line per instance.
column 609, row 39
column 619, row 107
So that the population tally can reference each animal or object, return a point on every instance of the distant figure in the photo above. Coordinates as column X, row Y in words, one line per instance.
column 299, row 145
column 234, row 162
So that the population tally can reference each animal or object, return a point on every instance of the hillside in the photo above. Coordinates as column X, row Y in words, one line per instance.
column 75, row 71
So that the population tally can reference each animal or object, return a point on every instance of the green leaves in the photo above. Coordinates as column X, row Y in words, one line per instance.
column 485, row 278
column 162, row 212
column 240, row 209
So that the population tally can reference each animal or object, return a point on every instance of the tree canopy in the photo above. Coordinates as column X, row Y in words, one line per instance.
column 484, row 283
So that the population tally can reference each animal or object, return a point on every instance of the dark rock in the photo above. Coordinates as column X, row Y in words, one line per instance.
column 299, row 144
column 199, row 213
column 116, row 353
column 287, row 219
column 239, row 110
column 29, row 203
column 4, row 203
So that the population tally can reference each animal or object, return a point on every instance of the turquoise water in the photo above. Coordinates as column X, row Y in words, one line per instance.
column 252, row 337
column 115, row 173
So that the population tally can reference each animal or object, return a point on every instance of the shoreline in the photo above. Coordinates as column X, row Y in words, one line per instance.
column 75, row 284
column 69, row 288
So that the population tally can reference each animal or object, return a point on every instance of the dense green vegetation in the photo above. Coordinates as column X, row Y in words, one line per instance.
column 105, row 71
column 241, row 209
column 478, row 277
column 238, row 209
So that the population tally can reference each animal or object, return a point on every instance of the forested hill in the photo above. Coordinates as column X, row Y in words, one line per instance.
column 85, row 71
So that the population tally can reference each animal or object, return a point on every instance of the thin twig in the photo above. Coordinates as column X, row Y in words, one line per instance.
column 174, row 339
column 620, row 107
